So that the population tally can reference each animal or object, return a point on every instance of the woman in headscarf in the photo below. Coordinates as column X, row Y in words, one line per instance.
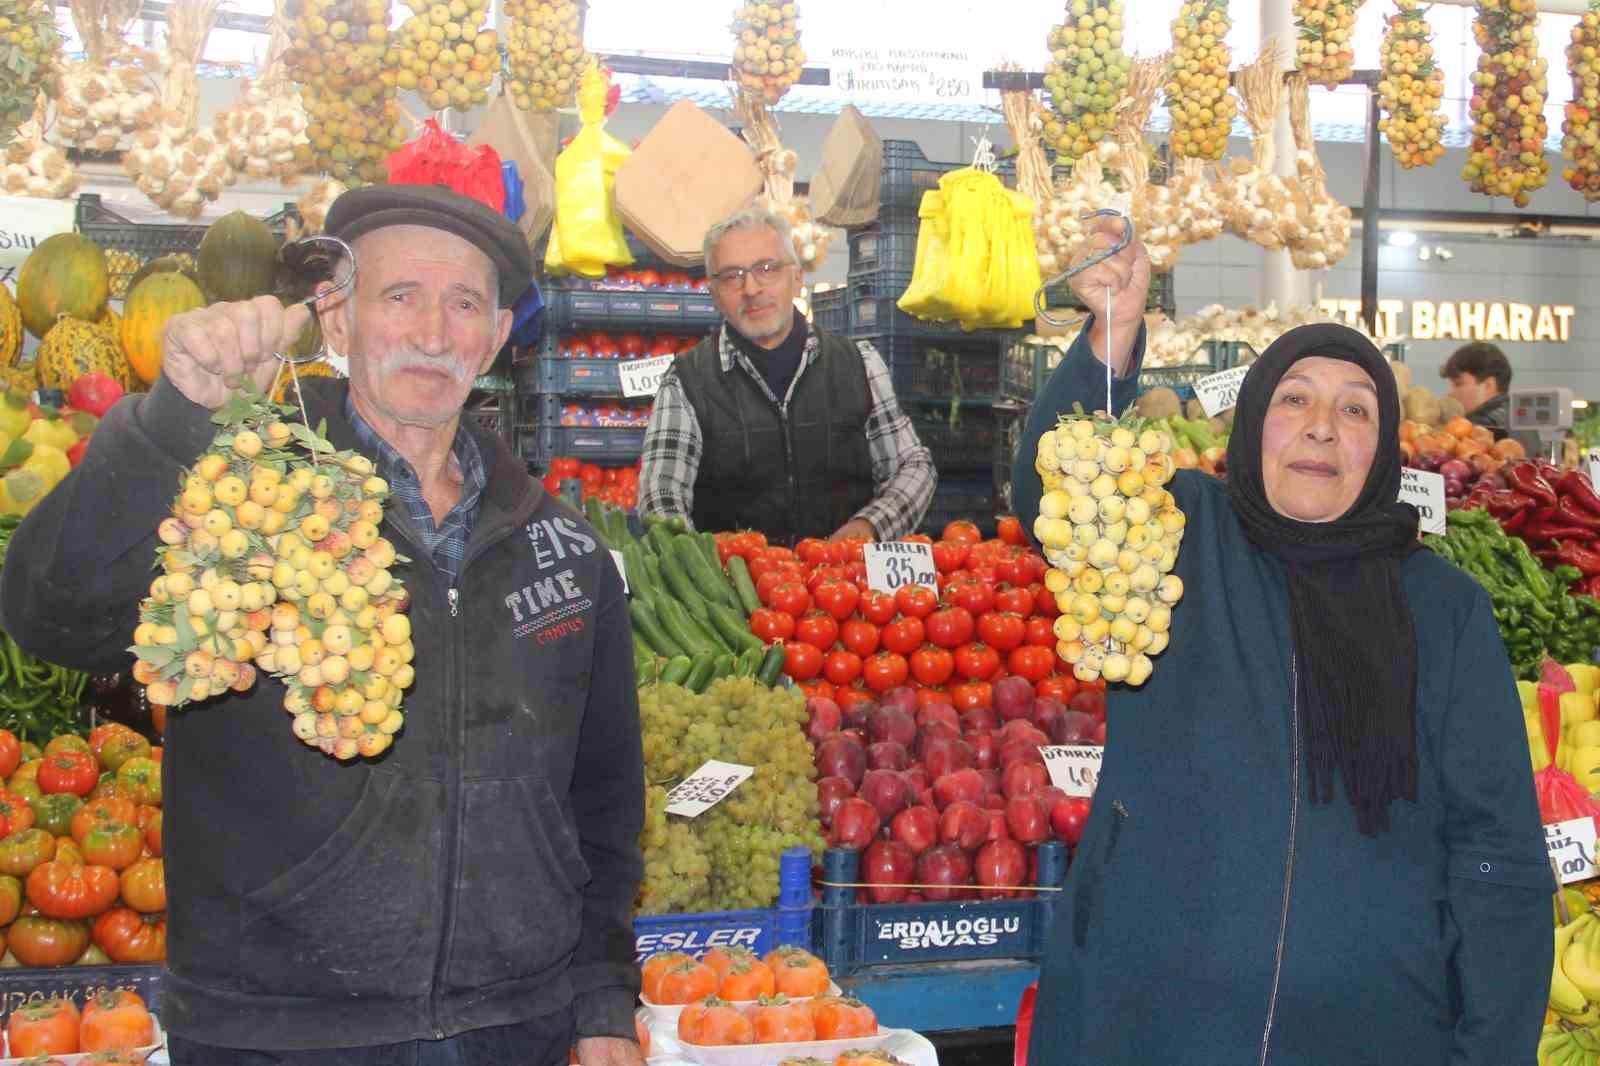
column 1315, row 840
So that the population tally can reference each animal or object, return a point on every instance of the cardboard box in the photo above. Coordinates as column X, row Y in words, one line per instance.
column 688, row 174
column 847, row 187
column 528, row 140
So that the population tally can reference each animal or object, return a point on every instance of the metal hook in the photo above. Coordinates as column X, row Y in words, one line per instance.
column 1094, row 260
column 297, row 256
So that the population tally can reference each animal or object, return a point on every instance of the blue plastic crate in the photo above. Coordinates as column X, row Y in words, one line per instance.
column 971, row 445
column 544, row 375
column 25, row 987
column 540, row 442
column 907, row 174
column 654, row 310
column 873, row 297
column 890, row 245
column 852, row 935
column 1024, row 368
column 828, row 311
column 759, row 930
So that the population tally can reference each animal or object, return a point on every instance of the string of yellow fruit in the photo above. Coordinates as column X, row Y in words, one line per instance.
column 1198, row 100
column 767, row 55
column 544, row 47
column 30, row 54
column 1085, row 78
column 1580, row 141
column 1507, row 108
column 1411, row 89
column 1323, row 51
column 445, row 53
column 338, row 56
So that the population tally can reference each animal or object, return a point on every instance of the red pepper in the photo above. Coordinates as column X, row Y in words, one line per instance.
column 1514, row 523
column 1547, row 556
column 1592, row 586
column 1568, row 510
column 1575, row 485
column 1582, row 556
column 1506, row 502
column 1526, row 479
column 1555, row 529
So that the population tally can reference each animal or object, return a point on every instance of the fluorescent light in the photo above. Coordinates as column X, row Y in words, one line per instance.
column 1580, row 404
column 1402, row 238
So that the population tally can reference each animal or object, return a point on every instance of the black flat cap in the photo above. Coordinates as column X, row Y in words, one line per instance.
column 362, row 210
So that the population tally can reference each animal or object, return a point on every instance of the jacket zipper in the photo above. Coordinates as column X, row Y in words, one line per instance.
column 454, row 596
column 1288, row 868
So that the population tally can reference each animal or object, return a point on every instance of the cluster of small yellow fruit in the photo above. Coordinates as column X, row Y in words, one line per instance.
column 338, row 56
column 544, row 43
column 1507, row 108
column 273, row 562
column 1087, row 73
column 445, row 54
column 1198, row 99
column 1323, row 51
column 1580, row 142
column 767, row 57
column 1110, row 532
column 1411, row 89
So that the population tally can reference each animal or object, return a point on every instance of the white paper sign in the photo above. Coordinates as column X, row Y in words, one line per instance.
column 1571, row 845
column 891, row 564
column 1424, row 490
column 26, row 221
column 622, row 568
column 1074, row 769
column 706, row 787
column 1591, row 465
column 1218, row 392
column 642, row 377
column 943, row 73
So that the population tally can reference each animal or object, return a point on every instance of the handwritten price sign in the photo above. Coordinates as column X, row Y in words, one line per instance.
column 26, row 221
column 1218, row 392
column 896, row 563
column 642, row 377
column 706, row 787
column 1074, row 769
column 1424, row 490
column 1591, row 464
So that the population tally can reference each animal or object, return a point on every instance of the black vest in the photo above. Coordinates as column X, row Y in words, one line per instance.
column 803, row 475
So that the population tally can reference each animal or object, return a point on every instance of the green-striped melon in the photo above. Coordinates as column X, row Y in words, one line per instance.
column 65, row 276
column 237, row 258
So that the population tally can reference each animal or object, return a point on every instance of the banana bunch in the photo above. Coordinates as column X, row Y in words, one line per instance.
column 1562, row 1045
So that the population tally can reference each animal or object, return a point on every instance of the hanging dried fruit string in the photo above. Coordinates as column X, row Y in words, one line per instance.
column 1412, row 88
column 106, row 95
column 179, row 167
column 338, row 56
column 1327, row 223
column 1580, row 141
column 1086, row 77
column 33, row 167
column 1323, row 50
column 445, row 53
column 30, row 57
column 265, row 132
column 1507, row 109
column 1259, row 205
column 1197, row 94
column 767, row 55
column 778, row 166
column 544, row 44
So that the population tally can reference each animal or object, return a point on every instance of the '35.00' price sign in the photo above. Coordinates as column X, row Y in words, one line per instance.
column 894, row 563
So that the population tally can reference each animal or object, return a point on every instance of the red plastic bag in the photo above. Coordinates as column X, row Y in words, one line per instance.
column 436, row 158
column 1019, row 1055
column 1561, row 798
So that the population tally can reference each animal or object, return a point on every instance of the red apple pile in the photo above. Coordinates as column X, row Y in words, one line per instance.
column 952, row 801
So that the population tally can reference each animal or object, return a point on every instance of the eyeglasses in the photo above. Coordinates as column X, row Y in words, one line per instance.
column 765, row 272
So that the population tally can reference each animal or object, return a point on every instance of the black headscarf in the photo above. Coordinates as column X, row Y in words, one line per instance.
column 1355, row 651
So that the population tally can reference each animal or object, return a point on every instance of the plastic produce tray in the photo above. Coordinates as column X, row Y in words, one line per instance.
column 790, row 922
column 661, row 311
column 928, row 369
column 828, row 311
column 971, row 445
column 854, row 935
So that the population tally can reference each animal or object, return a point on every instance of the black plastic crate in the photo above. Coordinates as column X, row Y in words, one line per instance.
column 829, row 312
column 1025, row 366
column 964, row 496
column 890, row 245
column 930, row 370
column 1162, row 296
column 873, row 299
column 148, row 240
column 654, row 310
column 970, row 444
column 27, row 986
column 493, row 416
column 544, row 375
column 907, row 174
column 539, row 443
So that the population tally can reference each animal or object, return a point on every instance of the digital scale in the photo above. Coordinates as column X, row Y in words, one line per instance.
column 1542, row 414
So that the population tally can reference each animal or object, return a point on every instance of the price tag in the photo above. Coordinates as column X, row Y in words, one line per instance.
column 642, row 377
column 622, row 569
column 25, row 221
column 893, row 563
column 1424, row 490
column 1218, row 392
column 1591, row 465
column 1074, row 769
column 706, row 787
column 1570, row 845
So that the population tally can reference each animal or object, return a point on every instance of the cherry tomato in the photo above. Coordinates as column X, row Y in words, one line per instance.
column 822, row 575
column 879, row 608
column 838, row 598
column 1011, row 530
column 791, row 598
column 1003, row 631
column 916, row 601
column 1041, row 633
column 812, row 551
column 885, row 671
column 1032, row 662
column 768, row 582
column 953, row 627
column 932, row 665
column 964, row 530
column 841, row 667
column 975, row 596
column 801, row 661
column 1044, row 602
column 862, row 637
column 950, row 555
column 904, row 635
column 1016, row 599
column 772, row 625
column 818, row 630
column 972, row 694
column 1059, row 687
column 977, row 662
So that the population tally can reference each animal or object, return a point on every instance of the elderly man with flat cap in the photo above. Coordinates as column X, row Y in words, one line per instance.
column 466, row 896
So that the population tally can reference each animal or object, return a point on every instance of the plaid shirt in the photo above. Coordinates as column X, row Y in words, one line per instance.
column 447, row 543
column 902, row 468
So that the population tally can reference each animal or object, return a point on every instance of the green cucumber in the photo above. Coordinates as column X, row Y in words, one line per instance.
column 652, row 566
column 638, row 574
column 676, row 672
column 677, row 624
column 725, row 666
column 660, row 539
column 645, row 667
column 646, row 625
column 750, row 661
column 771, row 665
column 594, row 511
column 733, row 628
column 708, row 582
column 682, row 585
column 708, row 632
column 743, row 587
column 700, row 673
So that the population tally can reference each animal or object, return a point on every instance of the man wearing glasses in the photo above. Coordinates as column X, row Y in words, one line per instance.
column 769, row 424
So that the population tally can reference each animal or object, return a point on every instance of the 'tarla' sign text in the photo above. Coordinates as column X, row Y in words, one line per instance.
column 1424, row 490
column 893, row 563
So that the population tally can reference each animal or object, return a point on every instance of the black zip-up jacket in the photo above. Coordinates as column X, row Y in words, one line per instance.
column 481, row 872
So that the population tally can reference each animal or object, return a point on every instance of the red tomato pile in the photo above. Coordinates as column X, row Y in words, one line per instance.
column 990, row 617
column 615, row 485
column 603, row 345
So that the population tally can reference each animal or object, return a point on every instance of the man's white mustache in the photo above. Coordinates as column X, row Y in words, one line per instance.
column 396, row 362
